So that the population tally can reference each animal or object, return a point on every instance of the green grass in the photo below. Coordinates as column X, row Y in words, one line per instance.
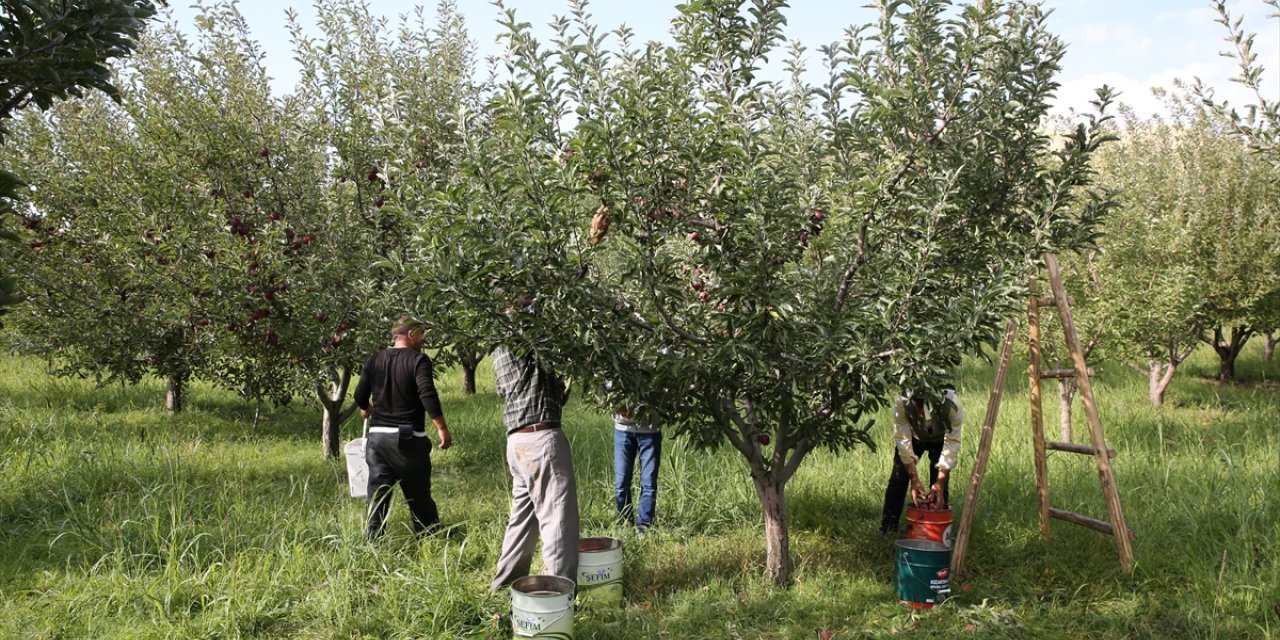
column 117, row 521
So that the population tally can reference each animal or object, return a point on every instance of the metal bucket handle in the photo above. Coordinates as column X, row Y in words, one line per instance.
column 567, row 610
column 943, row 592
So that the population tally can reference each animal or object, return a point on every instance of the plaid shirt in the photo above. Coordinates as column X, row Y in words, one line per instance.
column 531, row 393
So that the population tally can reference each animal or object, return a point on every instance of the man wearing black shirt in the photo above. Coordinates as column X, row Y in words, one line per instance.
column 398, row 383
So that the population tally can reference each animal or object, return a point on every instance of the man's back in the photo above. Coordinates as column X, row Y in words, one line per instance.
column 399, row 382
column 530, row 393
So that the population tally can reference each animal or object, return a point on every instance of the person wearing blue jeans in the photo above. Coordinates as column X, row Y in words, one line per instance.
column 634, row 440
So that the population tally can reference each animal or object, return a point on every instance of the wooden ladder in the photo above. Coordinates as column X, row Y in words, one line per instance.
column 1101, row 454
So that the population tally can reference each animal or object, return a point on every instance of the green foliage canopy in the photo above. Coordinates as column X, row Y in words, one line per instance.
column 51, row 51
column 782, row 258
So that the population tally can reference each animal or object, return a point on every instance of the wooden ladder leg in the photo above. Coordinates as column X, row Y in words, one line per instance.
column 1037, row 411
column 1101, row 459
column 984, row 450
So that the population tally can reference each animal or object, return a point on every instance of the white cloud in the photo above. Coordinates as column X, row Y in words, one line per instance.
column 1195, row 18
column 1076, row 94
column 1113, row 37
column 1139, row 54
column 1137, row 92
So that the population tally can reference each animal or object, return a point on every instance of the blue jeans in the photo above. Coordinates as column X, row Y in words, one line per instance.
column 627, row 446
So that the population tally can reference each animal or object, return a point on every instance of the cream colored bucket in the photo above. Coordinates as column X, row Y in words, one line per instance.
column 357, row 468
column 542, row 607
column 600, row 571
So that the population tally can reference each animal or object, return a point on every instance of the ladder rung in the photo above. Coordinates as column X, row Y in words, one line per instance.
column 1064, row 373
column 1050, row 301
column 1086, row 521
column 1077, row 448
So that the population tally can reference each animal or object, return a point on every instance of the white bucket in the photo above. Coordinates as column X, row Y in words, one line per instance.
column 600, row 570
column 357, row 468
column 542, row 607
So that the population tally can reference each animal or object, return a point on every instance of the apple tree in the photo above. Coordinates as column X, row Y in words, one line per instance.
column 383, row 103
column 1190, row 253
column 1259, row 124
column 769, row 261
column 98, row 272
column 51, row 51
column 243, row 237
column 157, row 243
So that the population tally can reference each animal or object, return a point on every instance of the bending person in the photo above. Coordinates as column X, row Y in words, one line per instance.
column 922, row 422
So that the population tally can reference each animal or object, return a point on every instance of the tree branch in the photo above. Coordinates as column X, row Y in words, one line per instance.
column 713, row 225
column 324, row 397
column 345, row 414
column 739, row 443
column 847, row 279
column 657, row 303
column 802, row 449
column 14, row 102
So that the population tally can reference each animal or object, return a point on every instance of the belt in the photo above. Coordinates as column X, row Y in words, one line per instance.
column 536, row 427
column 416, row 434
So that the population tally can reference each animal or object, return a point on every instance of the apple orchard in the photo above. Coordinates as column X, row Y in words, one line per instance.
column 772, row 260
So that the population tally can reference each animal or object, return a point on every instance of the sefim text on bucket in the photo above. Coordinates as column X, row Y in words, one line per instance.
column 600, row 571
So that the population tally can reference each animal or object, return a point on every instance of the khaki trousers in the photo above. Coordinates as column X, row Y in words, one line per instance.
column 544, row 503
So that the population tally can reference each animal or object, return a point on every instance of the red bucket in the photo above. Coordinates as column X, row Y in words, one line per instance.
column 924, row 524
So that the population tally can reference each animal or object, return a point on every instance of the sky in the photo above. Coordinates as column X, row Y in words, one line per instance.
column 1131, row 45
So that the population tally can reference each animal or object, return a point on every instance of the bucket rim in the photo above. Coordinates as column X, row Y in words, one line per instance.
column 911, row 508
column 601, row 543
column 561, row 585
column 917, row 544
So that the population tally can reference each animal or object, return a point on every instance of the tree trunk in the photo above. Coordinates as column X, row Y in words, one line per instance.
column 1066, row 394
column 773, row 502
column 770, row 472
column 470, row 359
column 1226, row 367
column 468, row 378
column 334, row 414
column 1160, row 375
column 174, row 393
column 1269, row 347
column 1228, row 350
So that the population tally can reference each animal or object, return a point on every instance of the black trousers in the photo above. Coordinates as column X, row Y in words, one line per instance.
column 407, row 462
column 900, row 480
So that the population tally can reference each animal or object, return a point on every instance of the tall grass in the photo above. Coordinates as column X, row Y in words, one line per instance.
column 118, row 521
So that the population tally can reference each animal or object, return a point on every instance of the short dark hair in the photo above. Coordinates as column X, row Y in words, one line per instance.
column 403, row 326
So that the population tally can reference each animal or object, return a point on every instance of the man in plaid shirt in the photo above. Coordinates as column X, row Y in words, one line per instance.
column 544, row 489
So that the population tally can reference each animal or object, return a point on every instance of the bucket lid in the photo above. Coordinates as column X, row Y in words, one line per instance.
column 543, row 586
column 599, row 544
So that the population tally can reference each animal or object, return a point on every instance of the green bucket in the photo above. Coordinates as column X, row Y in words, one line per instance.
column 924, row 572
